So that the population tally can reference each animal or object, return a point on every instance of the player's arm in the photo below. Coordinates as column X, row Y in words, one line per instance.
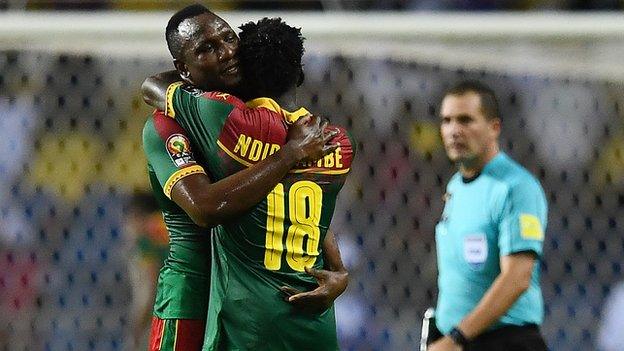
column 521, row 233
column 154, row 88
column 332, row 283
column 212, row 204
column 209, row 204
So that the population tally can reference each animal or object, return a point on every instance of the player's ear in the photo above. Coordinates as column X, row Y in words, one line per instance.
column 496, row 126
column 182, row 69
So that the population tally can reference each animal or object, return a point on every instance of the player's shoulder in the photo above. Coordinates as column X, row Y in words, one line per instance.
column 343, row 135
column 226, row 98
column 345, row 139
column 149, row 128
column 215, row 96
column 347, row 146
column 161, row 126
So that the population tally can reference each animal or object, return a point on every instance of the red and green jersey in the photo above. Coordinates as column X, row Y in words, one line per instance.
column 270, row 245
column 184, row 280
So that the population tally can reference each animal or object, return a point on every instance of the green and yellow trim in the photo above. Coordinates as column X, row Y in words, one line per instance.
column 169, row 111
column 180, row 174
column 270, row 104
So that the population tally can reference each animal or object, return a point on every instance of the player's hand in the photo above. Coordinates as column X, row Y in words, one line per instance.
column 444, row 344
column 331, row 285
column 311, row 138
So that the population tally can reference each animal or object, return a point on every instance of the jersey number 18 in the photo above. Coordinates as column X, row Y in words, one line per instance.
column 304, row 212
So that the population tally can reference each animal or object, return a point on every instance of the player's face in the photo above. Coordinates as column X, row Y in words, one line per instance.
column 467, row 134
column 210, row 59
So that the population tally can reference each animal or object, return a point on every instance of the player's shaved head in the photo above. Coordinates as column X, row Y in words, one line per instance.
column 180, row 29
column 270, row 56
column 489, row 103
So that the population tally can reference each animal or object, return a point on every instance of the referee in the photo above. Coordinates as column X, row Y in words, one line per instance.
column 489, row 239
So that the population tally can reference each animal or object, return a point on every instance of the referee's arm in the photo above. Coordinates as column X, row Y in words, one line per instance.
column 513, row 281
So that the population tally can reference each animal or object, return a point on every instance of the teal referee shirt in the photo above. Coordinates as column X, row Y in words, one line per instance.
column 500, row 212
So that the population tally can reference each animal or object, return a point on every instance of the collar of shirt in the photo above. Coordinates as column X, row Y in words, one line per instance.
column 272, row 105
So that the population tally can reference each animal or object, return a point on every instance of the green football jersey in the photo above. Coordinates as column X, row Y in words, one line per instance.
column 184, row 280
column 270, row 245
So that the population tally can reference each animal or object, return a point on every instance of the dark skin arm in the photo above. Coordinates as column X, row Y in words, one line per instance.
column 332, row 283
column 209, row 204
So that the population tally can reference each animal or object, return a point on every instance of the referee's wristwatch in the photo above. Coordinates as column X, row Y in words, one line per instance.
column 458, row 337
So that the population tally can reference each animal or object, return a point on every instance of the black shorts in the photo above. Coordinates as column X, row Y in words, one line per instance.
column 509, row 338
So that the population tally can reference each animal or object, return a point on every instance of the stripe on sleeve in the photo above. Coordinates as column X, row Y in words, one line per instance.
column 169, row 103
column 177, row 176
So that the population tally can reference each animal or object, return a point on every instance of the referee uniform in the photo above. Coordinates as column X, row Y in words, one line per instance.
column 499, row 212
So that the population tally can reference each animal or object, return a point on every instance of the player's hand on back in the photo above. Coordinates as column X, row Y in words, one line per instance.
column 310, row 138
column 331, row 285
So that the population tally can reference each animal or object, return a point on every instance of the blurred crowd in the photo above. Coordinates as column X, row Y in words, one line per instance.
column 325, row 5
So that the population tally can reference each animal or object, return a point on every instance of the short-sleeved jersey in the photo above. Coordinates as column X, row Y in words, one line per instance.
column 501, row 212
column 270, row 245
column 184, row 280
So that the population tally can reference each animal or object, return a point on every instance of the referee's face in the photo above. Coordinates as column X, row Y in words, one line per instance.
column 210, row 53
column 468, row 135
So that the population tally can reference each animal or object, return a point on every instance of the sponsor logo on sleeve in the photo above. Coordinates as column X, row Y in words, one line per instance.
column 531, row 227
column 179, row 149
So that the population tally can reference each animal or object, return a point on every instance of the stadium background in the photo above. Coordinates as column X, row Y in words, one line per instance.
column 71, row 157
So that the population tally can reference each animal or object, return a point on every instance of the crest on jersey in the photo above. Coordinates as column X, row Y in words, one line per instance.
column 179, row 149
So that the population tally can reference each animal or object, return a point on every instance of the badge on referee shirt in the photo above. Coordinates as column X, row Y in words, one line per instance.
column 179, row 149
column 475, row 250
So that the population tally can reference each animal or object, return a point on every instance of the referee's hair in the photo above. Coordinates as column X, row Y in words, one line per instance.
column 270, row 56
column 174, row 41
column 489, row 103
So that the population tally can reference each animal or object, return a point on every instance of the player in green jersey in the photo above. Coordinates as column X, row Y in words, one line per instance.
column 272, row 245
column 184, row 281
column 181, row 297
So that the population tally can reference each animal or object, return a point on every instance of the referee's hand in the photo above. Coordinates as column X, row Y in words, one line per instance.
column 444, row 344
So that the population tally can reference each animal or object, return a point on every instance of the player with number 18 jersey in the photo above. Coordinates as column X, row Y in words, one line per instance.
column 270, row 245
